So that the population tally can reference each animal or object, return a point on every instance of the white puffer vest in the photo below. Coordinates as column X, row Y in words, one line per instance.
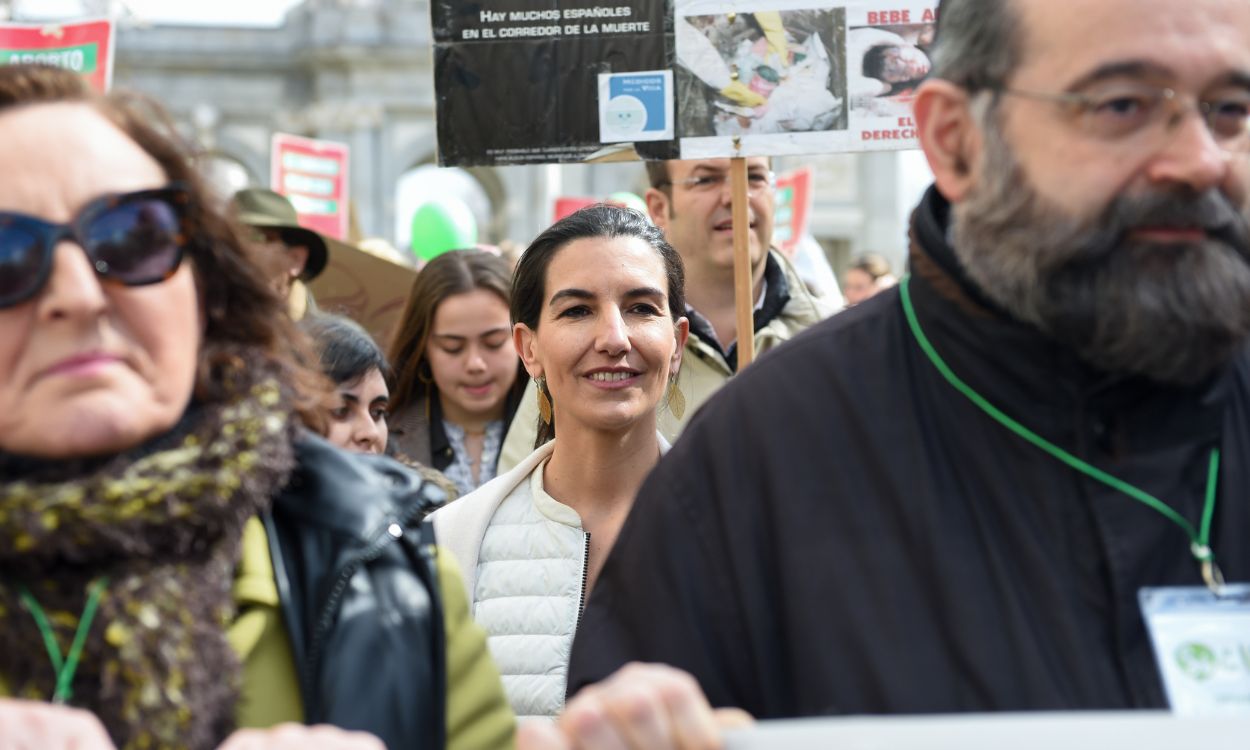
column 531, row 575
column 523, row 554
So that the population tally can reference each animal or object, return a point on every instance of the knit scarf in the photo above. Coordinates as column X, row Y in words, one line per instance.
column 162, row 525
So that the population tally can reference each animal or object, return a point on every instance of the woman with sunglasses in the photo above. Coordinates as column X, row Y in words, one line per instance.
column 179, row 555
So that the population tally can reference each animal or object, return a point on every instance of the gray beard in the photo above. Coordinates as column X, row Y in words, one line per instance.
column 1172, row 312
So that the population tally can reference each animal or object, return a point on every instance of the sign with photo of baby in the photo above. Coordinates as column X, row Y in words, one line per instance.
column 781, row 77
column 888, row 57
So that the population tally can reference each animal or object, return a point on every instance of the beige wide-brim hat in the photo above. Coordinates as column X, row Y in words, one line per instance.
column 261, row 208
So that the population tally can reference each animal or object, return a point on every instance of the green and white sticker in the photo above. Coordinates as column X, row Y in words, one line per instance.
column 80, row 59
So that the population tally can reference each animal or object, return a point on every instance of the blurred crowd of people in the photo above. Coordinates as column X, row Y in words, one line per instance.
column 229, row 518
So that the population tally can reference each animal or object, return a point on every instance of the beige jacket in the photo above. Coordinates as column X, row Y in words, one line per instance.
column 703, row 369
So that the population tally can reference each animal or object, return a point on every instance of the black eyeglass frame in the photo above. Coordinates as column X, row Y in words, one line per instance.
column 49, row 234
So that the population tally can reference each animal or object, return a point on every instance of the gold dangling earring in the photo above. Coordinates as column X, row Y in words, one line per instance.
column 544, row 404
column 676, row 400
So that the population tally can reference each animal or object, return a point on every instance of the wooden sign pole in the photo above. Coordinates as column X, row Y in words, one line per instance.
column 744, row 289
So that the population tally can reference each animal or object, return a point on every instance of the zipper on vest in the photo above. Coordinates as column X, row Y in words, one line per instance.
column 581, row 600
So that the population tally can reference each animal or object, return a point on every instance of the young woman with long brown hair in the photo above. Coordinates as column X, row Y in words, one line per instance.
column 456, row 373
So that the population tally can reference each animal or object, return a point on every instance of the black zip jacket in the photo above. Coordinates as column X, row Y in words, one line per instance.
column 355, row 572
column 838, row 531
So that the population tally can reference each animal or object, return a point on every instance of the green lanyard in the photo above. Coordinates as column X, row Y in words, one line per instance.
column 65, row 669
column 1199, row 540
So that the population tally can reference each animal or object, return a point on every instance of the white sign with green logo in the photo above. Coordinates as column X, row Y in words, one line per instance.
column 1202, row 645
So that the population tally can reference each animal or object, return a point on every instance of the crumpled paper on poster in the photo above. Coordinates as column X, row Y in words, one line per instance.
column 797, row 97
column 786, row 73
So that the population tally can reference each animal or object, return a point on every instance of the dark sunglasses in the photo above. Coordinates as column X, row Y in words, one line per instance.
column 132, row 238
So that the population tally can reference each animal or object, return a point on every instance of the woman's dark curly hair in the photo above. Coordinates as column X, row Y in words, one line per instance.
column 240, row 312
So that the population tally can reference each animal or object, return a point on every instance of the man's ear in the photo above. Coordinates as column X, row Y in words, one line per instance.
column 949, row 136
column 526, row 348
column 658, row 205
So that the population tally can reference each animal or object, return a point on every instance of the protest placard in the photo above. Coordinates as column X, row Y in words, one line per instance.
column 889, row 46
column 517, row 81
column 779, row 77
column 312, row 174
column 84, row 47
column 365, row 287
column 793, row 207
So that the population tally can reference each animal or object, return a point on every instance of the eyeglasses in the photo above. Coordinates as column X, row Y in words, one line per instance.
column 713, row 182
column 1127, row 111
column 134, row 238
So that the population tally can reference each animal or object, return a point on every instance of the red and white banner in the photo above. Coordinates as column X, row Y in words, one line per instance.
column 312, row 174
column 793, row 209
column 84, row 47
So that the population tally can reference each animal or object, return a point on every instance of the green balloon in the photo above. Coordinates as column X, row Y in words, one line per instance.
column 442, row 225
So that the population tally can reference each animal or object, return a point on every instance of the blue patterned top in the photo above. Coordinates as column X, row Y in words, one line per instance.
column 460, row 471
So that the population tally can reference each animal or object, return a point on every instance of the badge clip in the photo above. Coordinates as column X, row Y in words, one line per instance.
column 1213, row 577
column 1211, row 573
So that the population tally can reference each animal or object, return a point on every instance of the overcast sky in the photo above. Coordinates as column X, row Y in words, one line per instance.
column 215, row 12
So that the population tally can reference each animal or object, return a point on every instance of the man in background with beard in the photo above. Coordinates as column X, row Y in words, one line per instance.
column 950, row 497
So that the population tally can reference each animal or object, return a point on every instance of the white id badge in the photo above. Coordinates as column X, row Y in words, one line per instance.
column 1202, row 646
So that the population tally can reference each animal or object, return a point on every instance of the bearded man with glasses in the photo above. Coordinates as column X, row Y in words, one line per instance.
column 969, row 492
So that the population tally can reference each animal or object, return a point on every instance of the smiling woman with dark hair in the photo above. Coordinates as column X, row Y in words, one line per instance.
column 598, row 314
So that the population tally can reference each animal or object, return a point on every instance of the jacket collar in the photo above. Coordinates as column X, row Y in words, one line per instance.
column 441, row 452
column 776, row 297
column 424, row 439
column 1019, row 368
column 326, row 488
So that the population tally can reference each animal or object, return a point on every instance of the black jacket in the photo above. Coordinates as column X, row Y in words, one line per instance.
column 355, row 572
column 840, row 531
